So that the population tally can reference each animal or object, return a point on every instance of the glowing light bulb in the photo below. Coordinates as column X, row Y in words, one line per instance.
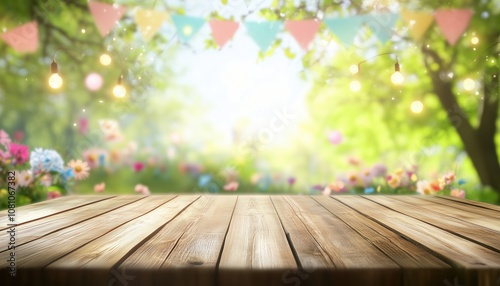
column 397, row 78
column 105, row 59
column 417, row 106
column 469, row 84
column 355, row 85
column 55, row 81
column 119, row 91
column 474, row 40
column 354, row 69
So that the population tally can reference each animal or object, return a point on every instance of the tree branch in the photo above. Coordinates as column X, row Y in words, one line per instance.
column 489, row 114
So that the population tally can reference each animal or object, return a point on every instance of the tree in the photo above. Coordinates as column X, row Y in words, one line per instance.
column 433, row 67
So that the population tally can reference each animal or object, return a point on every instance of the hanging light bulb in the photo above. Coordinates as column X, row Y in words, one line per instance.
column 355, row 85
column 469, row 84
column 354, row 69
column 55, row 80
column 397, row 77
column 119, row 90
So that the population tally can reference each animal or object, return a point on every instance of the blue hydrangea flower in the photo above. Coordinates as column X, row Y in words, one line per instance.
column 46, row 160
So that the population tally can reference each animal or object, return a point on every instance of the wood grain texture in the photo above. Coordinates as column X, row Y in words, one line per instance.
column 487, row 237
column 49, row 207
column 39, row 228
column 470, row 202
column 474, row 262
column 479, row 216
column 420, row 267
column 255, row 240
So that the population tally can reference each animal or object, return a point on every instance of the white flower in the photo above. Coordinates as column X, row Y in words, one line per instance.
column 25, row 178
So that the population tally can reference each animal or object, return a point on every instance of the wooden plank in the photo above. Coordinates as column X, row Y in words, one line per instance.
column 113, row 247
column 49, row 207
column 34, row 255
column 419, row 266
column 477, row 264
column 479, row 216
column 255, row 241
column 470, row 202
column 187, row 248
column 356, row 260
column 476, row 233
column 38, row 228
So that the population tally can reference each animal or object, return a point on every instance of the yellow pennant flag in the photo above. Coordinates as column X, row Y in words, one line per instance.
column 419, row 22
column 149, row 21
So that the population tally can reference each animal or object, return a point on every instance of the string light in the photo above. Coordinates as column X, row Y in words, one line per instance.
column 474, row 40
column 469, row 84
column 119, row 90
column 354, row 69
column 397, row 77
column 55, row 80
column 355, row 85
column 417, row 106
column 105, row 59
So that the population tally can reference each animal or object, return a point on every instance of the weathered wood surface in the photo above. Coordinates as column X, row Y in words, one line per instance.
column 254, row 240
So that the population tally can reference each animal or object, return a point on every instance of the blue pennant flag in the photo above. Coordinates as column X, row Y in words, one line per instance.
column 263, row 33
column 187, row 26
column 345, row 29
column 381, row 25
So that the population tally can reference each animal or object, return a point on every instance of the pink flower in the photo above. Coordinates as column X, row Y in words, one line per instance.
column 99, row 188
column 231, row 186
column 4, row 138
column 144, row 190
column 19, row 136
column 449, row 178
column 80, row 169
column 379, row 170
column 138, row 166
column 458, row 193
column 4, row 155
column 53, row 195
column 291, row 181
column 327, row 191
column 46, row 180
column 19, row 152
column 338, row 186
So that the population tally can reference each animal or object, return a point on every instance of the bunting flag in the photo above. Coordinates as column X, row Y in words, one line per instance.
column 187, row 26
column 263, row 33
column 149, row 21
column 345, row 29
column 303, row 31
column 381, row 25
column 106, row 15
column 453, row 23
column 419, row 22
column 223, row 31
column 24, row 38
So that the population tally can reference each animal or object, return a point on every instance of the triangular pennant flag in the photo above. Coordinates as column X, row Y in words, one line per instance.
column 187, row 26
column 149, row 21
column 303, row 31
column 106, row 15
column 419, row 22
column 345, row 29
column 381, row 25
column 263, row 33
column 453, row 23
column 223, row 31
column 24, row 38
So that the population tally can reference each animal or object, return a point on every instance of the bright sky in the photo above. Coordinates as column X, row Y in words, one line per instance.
column 238, row 88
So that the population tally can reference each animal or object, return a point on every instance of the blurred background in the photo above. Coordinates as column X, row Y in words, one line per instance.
column 199, row 116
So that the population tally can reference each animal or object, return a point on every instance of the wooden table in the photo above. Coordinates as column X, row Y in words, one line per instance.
column 254, row 240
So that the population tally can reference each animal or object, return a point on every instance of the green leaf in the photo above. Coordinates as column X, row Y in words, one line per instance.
column 289, row 54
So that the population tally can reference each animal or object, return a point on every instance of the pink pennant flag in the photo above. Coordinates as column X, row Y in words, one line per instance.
column 24, row 38
column 223, row 31
column 453, row 23
column 106, row 15
column 303, row 31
